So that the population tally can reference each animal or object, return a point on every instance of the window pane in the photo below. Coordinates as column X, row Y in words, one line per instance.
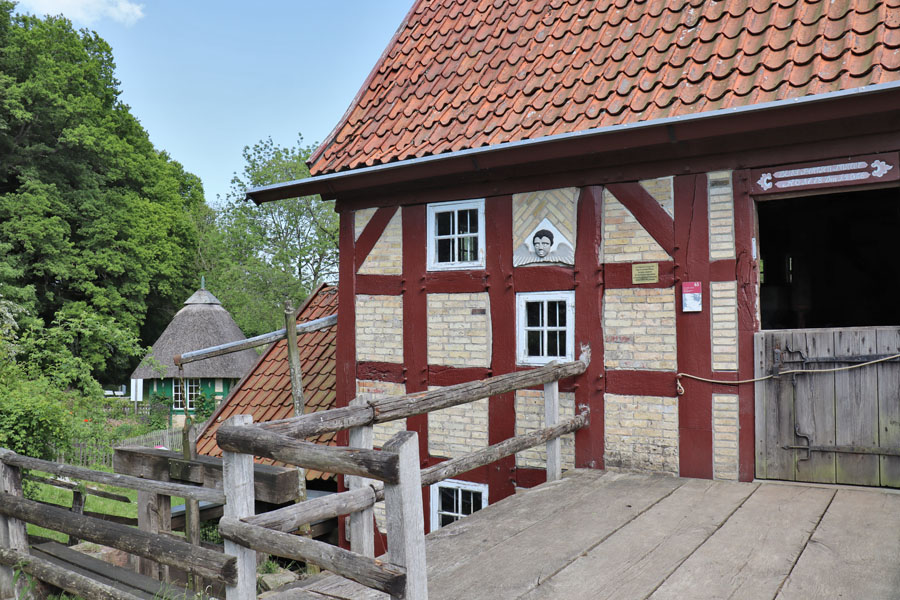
column 468, row 221
column 466, row 502
column 552, row 343
column 445, row 250
column 444, row 221
column 448, row 499
column 534, row 314
column 468, row 249
column 476, row 501
column 535, row 343
column 561, row 344
column 447, row 519
column 556, row 314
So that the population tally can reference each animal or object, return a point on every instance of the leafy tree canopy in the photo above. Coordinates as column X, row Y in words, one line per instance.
column 95, row 231
column 256, row 256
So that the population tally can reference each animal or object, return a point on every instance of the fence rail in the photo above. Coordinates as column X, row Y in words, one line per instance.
column 395, row 471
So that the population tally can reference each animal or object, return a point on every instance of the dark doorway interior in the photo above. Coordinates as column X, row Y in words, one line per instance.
column 831, row 261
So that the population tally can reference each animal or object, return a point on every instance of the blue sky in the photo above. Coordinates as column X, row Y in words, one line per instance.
column 207, row 78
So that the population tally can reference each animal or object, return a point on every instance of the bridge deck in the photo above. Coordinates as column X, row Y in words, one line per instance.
column 597, row 535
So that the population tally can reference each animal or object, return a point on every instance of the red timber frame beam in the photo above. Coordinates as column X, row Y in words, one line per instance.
column 648, row 213
column 589, row 445
column 747, row 274
column 695, row 437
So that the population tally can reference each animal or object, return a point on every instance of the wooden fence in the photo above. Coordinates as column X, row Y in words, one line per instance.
column 391, row 474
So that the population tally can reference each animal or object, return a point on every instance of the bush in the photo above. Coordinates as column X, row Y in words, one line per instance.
column 34, row 420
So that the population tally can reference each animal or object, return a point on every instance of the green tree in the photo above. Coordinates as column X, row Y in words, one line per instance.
column 95, row 227
column 256, row 256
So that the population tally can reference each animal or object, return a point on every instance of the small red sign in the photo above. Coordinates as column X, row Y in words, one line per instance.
column 690, row 287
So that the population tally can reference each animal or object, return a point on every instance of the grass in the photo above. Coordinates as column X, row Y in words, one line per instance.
column 63, row 497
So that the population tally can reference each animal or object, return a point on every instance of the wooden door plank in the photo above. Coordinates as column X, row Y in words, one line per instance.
column 856, row 418
column 753, row 552
column 888, row 342
column 780, row 413
column 536, row 553
column 854, row 551
column 759, row 392
column 814, row 406
column 632, row 562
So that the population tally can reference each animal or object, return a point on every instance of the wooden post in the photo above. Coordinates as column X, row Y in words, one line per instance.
column 362, row 523
column 77, row 508
column 551, row 418
column 154, row 515
column 405, row 521
column 191, row 505
column 12, row 531
column 293, row 352
column 239, row 499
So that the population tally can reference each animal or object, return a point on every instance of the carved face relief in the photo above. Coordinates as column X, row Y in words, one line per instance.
column 544, row 245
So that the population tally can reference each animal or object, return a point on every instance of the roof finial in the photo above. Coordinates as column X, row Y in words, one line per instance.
column 203, row 282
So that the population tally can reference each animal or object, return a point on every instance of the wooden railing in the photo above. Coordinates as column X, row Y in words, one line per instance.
column 391, row 474
column 16, row 511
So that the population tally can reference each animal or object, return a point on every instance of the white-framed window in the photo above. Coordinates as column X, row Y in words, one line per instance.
column 456, row 235
column 545, row 326
column 451, row 500
column 193, row 391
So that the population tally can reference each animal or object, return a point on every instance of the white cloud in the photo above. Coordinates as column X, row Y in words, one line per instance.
column 88, row 12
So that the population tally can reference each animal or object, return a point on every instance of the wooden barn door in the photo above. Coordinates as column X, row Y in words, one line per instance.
column 841, row 426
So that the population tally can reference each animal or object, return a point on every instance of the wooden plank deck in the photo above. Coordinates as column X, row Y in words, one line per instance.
column 596, row 535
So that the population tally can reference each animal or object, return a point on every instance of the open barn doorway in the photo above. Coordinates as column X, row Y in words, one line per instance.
column 830, row 279
column 830, row 260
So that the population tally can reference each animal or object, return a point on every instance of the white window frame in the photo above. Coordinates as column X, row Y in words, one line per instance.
column 522, row 299
column 458, row 486
column 193, row 392
column 441, row 207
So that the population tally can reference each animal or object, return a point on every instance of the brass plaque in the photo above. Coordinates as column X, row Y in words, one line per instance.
column 646, row 273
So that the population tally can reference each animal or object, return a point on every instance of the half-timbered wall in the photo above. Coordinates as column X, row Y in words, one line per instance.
column 414, row 327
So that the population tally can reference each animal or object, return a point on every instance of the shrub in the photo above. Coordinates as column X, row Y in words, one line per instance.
column 34, row 419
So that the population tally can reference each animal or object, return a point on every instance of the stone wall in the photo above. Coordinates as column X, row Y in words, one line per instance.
column 386, row 257
column 530, row 417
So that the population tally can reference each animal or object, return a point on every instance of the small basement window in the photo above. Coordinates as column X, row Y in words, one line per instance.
column 451, row 500
column 830, row 260
column 545, row 324
column 193, row 391
column 456, row 235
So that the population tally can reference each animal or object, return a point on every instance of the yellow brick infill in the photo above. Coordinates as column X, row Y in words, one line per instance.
column 641, row 433
column 379, row 328
column 624, row 239
column 559, row 206
column 530, row 417
column 639, row 329
column 725, row 436
column 386, row 257
column 458, row 430
column 459, row 330
column 724, row 325
column 721, row 216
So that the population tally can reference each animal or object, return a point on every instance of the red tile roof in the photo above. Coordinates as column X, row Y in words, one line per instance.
column 469, row 73
column 265, row 392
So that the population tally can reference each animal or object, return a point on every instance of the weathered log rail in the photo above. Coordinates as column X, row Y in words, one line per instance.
column 391, row 474
column 16, row 511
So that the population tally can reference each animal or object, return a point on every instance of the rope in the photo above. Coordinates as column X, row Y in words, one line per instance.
column 680, row 389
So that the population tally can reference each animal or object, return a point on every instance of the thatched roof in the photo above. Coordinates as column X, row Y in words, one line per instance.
column 202, row 323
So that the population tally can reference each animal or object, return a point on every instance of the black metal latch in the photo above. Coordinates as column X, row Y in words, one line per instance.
column 888, row 451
